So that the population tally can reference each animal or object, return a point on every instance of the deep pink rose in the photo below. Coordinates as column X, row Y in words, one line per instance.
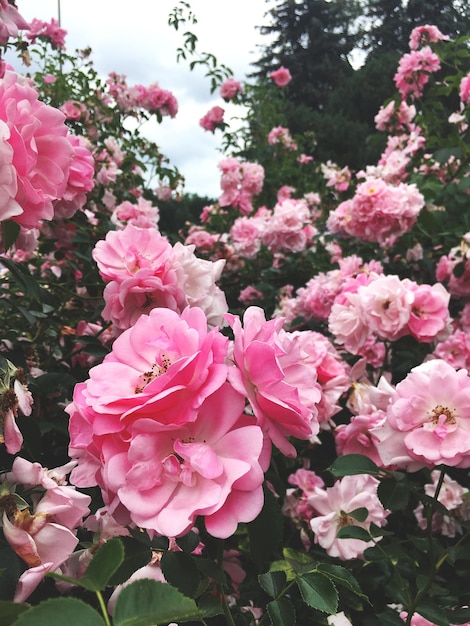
column 42, row 153
column 283, row 392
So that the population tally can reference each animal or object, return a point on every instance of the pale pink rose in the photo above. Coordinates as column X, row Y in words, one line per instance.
column 250, row 294
column 166, row 364
column 201, row 238
column 281, row 135
column 465, row 89
column 73, row 109
column 428, row 419
column 455, row 350
column 283, row 393
column 150, row 571
column 451, row 495
column 306, row 480
column 197, row 279
column 143, row 214
column 386, row 306
column 333, row 505
column 42, row 544
column 10, row 21
column 230, row 88
column 429, row 312
column 213, row 119
column 245, row 234
column 42, row 153
column 281, row 76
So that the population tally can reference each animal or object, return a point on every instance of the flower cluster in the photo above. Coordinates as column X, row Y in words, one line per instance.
column 240, row 181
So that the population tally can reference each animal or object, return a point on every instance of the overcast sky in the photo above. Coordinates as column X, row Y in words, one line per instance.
column 133, row 38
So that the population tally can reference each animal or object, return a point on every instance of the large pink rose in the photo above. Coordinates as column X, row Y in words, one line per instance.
column 42, row 153
column 166, row 366
column 428, row 419
column 277, row 372
column 170, row 442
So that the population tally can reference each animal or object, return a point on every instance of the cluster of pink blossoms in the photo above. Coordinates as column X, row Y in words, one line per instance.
column 172, row 441
column 287, row 228
column 336, row 177
column 48, row 30
column 281, row 135
column 387, row 307
column 143, row 271
column 142, row 214
column 314, row 301
column 152, row 98
column 45, row 536
column 378, row 212
column 240, row 181
column 415, row 67
column 458, row 283
column 41, row 162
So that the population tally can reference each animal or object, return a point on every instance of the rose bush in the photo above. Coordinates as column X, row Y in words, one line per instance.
column 261, row 415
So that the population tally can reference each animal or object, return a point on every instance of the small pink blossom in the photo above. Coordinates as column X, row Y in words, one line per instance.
column 10, row 21
column 424, row 35
column 465, row 89
column 47, row 30
column 333, row 506
column 281, row 76
column 213, row 119
column 230, row 88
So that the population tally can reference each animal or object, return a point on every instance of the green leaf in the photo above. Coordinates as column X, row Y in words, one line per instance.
column 148, row 602
column 389, row 618
column 319, row 592
column 352, row 464
column 353, row 532
column 136, row 555
column 393, row 494
column 343, row 577
column 188, row 542
column 433, row 613
column 272, row 582
column 9, row 611
column 10, row 232
column 23, row 278
column 60, row 611
column 359, row 514
column 105, row 562
column 281, row 612
column 265, row 531
column 180, row 571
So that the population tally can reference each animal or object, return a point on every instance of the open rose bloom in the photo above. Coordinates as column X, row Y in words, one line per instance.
column 171, row 441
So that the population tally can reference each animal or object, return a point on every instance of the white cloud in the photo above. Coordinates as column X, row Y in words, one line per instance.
column 133, row 38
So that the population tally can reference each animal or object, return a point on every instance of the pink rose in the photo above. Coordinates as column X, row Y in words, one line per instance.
column 213, row 119
column 428, row 419
column 283, row 393
column 281, row 76
column 230, row 88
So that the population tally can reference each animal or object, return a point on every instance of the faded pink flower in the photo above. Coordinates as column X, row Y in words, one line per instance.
column 80, row 179
column 283, row 393
column 356, row 437
column 413, row 71
column 334, row 505
column 428, row 419
column 281, row 76
column 213, row 119
column 230, row 88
